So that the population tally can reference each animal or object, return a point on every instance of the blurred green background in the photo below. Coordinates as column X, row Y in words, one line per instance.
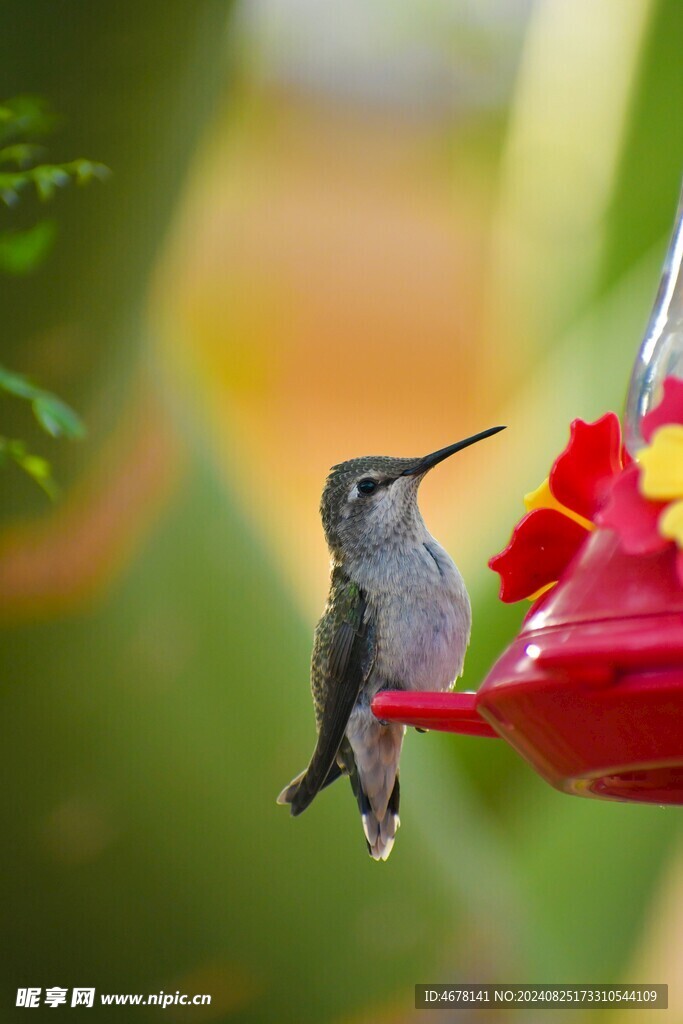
column 330, row 229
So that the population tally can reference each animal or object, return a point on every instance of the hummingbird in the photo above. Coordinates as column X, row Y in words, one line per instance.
column 397, row 617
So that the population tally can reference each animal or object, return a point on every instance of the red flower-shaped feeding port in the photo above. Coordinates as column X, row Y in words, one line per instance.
column 562, row 511
column 645, row 505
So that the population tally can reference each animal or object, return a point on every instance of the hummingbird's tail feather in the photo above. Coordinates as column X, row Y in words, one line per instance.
column 290, row 794
column 374, row 776
column 380, row 834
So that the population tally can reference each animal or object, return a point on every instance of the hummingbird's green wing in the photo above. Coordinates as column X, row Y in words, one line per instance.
column 342, row 658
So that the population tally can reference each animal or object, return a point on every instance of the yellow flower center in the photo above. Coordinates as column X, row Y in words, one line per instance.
column 661, row 478
column 670, row 522
column 543, row 497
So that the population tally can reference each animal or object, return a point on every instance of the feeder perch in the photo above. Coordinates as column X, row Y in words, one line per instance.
column 590, row 692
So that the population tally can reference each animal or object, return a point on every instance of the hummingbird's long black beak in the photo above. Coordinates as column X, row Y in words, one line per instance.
column 429, row 461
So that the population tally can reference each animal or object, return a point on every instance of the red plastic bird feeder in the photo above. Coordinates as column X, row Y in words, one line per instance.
column 591, row 690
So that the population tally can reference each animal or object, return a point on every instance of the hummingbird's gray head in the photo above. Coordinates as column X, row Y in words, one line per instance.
column 368, row 501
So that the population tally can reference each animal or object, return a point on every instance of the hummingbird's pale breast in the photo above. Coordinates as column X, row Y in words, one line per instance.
column 421, row 610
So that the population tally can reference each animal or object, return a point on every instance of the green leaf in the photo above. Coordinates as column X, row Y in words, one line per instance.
column 48, row 178
column 86, row 170
column 34, row 466
column 10, row 186
column 22, row 154
column 18, row 385
column 23, row 116
column 54, row 415
column 39, row 471
column 57, row 417
column 24, row 251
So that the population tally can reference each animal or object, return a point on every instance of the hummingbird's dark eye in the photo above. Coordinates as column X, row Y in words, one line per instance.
column 367, row 486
